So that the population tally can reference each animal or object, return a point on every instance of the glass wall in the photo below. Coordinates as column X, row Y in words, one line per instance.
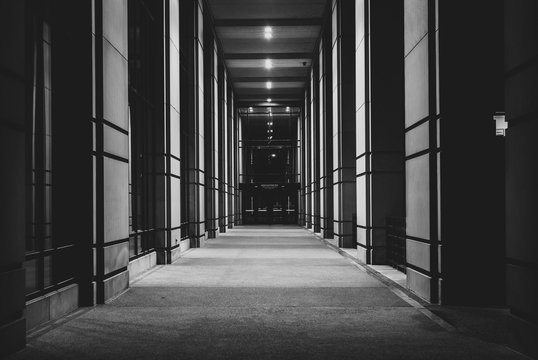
column 48, row 260
column 143, row 40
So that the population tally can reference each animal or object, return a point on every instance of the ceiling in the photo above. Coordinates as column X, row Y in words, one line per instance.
column 241, row 26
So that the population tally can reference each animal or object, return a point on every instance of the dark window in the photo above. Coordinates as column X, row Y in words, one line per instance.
column 143, row 37
column 48, row 262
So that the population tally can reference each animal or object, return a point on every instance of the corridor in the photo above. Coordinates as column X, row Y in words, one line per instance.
column 273, row 292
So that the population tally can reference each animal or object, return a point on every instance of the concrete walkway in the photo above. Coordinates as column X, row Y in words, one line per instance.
column 258, row 293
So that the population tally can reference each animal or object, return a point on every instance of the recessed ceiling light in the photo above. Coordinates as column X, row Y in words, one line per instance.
column 273, row 155
column 268, row 32
column 268, row 64
column 269, row 100
column 269, row 85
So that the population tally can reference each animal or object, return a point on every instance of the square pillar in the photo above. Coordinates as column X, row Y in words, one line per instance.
column 380, row 124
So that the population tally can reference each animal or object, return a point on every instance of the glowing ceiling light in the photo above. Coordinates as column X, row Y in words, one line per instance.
column 269, row 85
column 250, row 109
column 268, row 32
column 269, row 100
column 268, row 64
column 287, row 109
column 273, row 155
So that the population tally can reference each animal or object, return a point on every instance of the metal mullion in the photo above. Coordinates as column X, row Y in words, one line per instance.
column 39, row 153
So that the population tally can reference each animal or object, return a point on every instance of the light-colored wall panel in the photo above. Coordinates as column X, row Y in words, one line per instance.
column 415, row 22
column 417, row 191
column 417, row 139
column 419, row 283
column 115, row 24
column 115, row 91
column 418, row 254
column 116, row 257
column 115, row 142
column 115, row 200
column 416, row 84
column 175, row 202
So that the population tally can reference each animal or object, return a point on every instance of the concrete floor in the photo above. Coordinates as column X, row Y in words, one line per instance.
column 258, row 293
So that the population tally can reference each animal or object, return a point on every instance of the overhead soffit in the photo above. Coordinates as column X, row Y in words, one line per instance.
column 266, row 9
column 240, row 27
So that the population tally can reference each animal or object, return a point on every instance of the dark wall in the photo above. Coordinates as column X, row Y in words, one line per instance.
column 521, row 91
column 472, row 202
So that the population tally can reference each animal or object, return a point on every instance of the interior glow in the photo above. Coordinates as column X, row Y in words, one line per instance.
column 269, row 84
column 268, row 32
column 250, row 109
column 287, row 109
column 268, row 64
column 269, row 100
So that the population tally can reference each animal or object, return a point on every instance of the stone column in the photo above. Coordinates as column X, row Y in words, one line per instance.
column 314, row 141
column 326, row 139
column 168, row 212
column 193, row 119
column 380, row 123
column 111, row 151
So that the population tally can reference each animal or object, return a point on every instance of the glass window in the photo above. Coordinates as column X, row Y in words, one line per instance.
column 48, row 263
column 143, row 42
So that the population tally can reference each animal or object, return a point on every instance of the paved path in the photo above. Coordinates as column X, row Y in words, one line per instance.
column 258, row 293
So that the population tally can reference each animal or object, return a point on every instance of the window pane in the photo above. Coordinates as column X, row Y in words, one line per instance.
column 32, row 274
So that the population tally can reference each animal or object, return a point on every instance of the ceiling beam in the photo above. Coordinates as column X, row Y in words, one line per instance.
column 269, row 22
column 263, row 56
column 274, row 97
column 273, row 79
column 277, row 103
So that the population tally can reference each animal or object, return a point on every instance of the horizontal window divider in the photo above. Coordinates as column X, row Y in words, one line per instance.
column 422, row 153
column 114, row 273
column 344, row 182
column 424, row 241
column 115, row 242
column 142, row 254
column 112, row 156
column 422, row 271
column 422, row 121
column 49, row 289
column 115, row 127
